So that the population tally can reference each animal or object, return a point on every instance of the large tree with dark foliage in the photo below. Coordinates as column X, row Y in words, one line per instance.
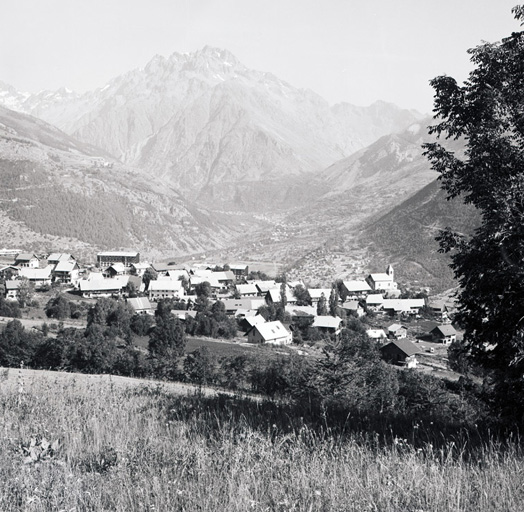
column 487, row 113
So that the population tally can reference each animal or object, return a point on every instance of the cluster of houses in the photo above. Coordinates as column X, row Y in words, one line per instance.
column 118, row 273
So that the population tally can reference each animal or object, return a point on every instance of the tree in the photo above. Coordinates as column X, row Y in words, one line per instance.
column 25, row 292
column 112, row 315
column 17, row 345
column 321, row 306
column 149, row 275
column 141, row 324
column 200, row 367
column 333, row 301
column 342, row 290
column 167, row 338
column 58, row 307
column 283, row 293
column 487, row 113
column 302, row 295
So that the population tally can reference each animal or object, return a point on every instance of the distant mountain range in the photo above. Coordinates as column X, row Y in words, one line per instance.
column 197, row 152
column 57, row 193
column 215, row 130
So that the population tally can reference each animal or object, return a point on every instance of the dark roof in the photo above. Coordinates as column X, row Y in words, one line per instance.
column 405, row 346
column 445, row 330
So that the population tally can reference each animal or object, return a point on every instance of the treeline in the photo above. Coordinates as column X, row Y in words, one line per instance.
column 348, row 378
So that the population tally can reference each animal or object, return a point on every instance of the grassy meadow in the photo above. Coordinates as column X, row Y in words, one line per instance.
column 90, row 443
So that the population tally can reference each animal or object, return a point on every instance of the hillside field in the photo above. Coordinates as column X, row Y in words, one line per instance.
column 88, row 443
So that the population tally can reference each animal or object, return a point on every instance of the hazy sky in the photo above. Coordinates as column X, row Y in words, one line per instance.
column 346, row 50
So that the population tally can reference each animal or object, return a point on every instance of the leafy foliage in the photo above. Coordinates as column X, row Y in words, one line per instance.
column 487, row 113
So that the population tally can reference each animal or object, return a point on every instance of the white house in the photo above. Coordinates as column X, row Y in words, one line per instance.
column 355, row 288
column 165, row 289
column 66, row 271
column 39, row 277
column 141, row 305
column 328, row 324
column 397, row 331
column 27, row 260
column 100, row 287
column 246, row 303
column 316, row 293
column 444, row 334
column 11, row 289
column 247, row 290
column 270, row 332
column 376, row 334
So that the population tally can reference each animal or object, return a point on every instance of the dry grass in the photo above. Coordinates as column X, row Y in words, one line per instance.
column 123, row 447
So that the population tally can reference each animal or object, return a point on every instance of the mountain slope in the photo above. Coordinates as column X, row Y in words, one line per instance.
column 58, row 192
column 405, row 236
column 216, row 130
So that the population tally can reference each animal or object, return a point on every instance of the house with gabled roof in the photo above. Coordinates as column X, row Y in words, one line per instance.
column 444, row 333
column 403, row 306
column 328, row 324
column 316, row 293
column 245, row 303
column 55, row 257
column 225, row 278
column 438, row 308
column 270, row 332
column 355, row 288
column 248, row 322
column 273, row 296
column 240, row 271
column 165, row 289
column 264, row 286
column 353, row 307
column 374, row 302
column 66, row 271
column 141, row 305
column 101, row 287
column 115, row 269
column 27, row 260
column 247, row 290
column 11, row 289
column 139, row 268
column 9, row 271
column 107, row 258
column 397, row 331
column 400, row 352
column 39, row 277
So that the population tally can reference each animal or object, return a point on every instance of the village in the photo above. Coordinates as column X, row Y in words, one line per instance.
column 410, row 328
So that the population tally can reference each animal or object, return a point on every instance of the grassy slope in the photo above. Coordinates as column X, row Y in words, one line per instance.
column 131, row 448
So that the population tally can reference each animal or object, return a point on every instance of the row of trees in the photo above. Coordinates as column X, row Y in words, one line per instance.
column 348, row 379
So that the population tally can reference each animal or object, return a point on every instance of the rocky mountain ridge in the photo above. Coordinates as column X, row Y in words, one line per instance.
column 57, row 193
column 220, row 133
